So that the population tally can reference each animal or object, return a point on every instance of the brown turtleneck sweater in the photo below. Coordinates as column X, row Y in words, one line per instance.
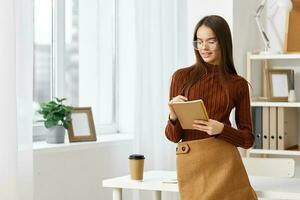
column 218, row 106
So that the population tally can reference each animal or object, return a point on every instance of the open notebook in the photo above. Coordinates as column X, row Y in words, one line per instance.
column 189, row 111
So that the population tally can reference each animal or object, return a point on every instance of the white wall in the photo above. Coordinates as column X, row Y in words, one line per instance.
column 245, row 35
column 78, row 174
column 239, row 14
column 198, row 9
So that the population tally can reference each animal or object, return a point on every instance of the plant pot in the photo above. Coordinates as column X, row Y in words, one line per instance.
column 55, row 135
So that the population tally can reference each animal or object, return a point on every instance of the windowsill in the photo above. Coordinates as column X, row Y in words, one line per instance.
column 103, row 140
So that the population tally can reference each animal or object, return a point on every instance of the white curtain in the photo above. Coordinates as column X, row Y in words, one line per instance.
column 156, row 59
column 8, row 117
column 24, row 88
column 158, row 31
column 16, row 97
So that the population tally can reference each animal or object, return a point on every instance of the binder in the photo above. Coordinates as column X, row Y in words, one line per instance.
column 266, row 128
column 257, row 126
column 273, row 128
column 287, row 128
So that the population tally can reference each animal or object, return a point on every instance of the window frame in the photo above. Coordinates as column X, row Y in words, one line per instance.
column 57, row 62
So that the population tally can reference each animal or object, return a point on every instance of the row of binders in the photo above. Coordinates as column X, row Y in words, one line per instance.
column 275, row 127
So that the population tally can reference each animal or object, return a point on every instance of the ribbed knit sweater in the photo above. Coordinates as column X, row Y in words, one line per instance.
column 218, row 105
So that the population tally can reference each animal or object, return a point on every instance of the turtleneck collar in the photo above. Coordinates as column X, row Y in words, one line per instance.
column 211, row 67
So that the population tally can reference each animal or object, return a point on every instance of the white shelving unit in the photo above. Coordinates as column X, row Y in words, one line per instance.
column 265, row 58
column 275, row 104
column 274, row 56
column 274, row 152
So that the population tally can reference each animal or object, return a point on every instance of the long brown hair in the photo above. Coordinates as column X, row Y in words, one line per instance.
column 222, row 31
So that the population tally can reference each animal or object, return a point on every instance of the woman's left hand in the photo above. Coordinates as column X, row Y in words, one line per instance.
column 211, row 127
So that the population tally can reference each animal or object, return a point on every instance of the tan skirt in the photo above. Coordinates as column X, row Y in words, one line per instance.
column 211, row 169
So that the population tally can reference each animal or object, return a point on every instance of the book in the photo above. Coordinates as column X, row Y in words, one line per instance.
column 189, row 111
column 257, row 126
column 287, row 128
column 266, row 128
column 273, row 128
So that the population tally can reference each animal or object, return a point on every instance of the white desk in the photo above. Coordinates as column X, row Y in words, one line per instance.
column 265, row 187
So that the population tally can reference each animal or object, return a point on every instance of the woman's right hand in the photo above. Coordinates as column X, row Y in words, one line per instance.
column 178, row 98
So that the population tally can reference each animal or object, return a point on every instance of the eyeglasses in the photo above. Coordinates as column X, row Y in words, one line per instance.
column 210, row 44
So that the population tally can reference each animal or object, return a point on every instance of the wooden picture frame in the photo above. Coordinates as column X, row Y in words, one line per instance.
column 82, row 126
column 279, row 84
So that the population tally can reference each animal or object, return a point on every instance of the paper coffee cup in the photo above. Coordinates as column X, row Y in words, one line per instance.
column 136, row 162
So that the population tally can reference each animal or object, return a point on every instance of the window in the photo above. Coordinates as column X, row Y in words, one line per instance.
column 43, row 50
column 76, row 57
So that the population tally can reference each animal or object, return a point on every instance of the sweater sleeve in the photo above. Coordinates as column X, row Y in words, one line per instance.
column 243, row 136
column 173, row 130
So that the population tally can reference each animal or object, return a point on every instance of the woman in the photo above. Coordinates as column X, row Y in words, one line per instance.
column 209, row 165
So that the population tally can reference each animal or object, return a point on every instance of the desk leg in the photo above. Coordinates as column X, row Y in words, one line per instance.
column 157, row 195
column 117, row 194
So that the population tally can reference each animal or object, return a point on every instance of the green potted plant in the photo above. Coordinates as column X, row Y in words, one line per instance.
column 57, row 118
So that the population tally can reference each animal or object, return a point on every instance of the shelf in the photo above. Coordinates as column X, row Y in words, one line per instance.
column 102, row 141
column 275, row 152
column 275, row 104
column 274, row 56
